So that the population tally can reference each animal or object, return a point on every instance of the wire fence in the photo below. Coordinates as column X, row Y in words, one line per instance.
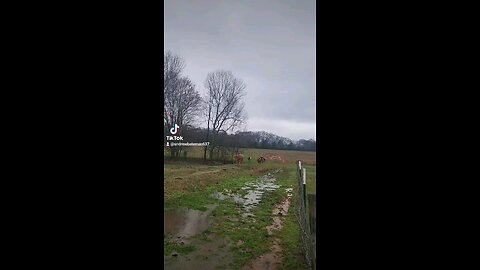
column 307, row 226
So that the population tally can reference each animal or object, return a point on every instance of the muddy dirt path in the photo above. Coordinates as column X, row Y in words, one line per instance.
column 272, row 259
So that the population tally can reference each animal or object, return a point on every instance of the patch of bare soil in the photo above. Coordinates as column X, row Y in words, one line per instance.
column 270, row 260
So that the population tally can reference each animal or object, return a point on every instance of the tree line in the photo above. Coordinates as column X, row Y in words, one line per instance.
column 251, row 139
column 221, row 109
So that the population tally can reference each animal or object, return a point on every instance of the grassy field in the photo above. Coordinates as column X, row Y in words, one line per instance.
column 289, row 156
column 190, row 184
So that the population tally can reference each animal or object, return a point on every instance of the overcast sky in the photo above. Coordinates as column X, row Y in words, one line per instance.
column 270, row 44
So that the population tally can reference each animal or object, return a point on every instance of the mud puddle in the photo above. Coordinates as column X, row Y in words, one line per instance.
column 186, row 222
column 255, row 191
column 180, row 225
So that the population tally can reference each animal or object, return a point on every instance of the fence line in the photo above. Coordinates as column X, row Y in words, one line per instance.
column 303, row 217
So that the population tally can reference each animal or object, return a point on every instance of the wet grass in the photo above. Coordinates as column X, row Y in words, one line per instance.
column 170, row 246
column 203, row 236
column 195, row 191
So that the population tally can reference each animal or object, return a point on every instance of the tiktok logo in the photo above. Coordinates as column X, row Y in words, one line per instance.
column 174, row 129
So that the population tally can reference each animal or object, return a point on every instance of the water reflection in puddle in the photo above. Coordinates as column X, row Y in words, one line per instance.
column 186, row 222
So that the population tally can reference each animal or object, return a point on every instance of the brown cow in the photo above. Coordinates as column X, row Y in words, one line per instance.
column 261, row 160
column 238, row 158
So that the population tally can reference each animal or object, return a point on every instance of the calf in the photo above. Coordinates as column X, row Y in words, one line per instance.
column 238, row 159
column 261, row 160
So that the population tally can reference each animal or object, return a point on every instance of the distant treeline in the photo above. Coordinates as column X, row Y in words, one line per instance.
column 248, row 139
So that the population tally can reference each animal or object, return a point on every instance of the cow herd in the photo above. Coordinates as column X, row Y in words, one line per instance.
column 238, row 159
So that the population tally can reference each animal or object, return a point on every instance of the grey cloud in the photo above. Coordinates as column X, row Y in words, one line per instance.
column 269, row 44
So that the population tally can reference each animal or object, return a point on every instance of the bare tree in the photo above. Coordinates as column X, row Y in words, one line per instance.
column 224, row 106
column 173, row 66
column 181, row 100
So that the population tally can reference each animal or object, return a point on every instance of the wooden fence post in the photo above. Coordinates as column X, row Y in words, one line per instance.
column 304, row 189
